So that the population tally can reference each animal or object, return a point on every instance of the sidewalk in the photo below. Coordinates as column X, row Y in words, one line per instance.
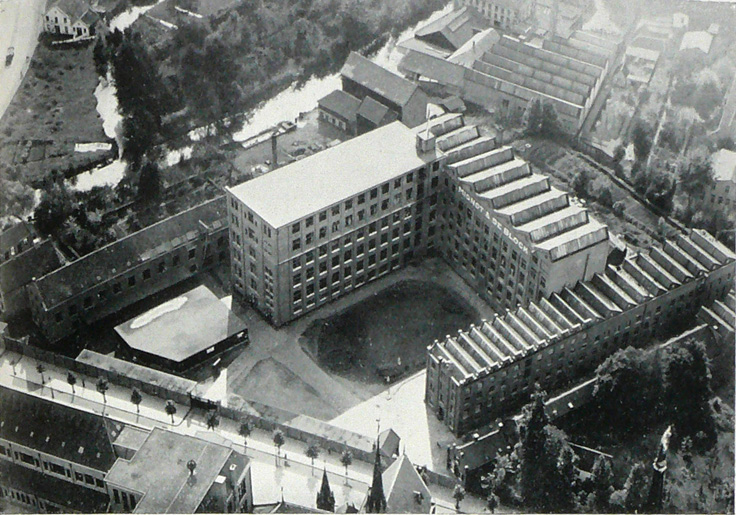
column 291, row 474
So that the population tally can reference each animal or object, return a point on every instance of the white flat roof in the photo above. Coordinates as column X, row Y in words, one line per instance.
column 319, row 181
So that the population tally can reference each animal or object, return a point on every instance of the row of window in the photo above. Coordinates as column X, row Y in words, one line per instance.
column 52, row 467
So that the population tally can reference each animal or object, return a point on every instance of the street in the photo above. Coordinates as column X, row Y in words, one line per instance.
column 291, row 476
column 21, row 22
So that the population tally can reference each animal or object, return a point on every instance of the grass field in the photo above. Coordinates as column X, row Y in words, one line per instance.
column 387, row 335
column 54, row 108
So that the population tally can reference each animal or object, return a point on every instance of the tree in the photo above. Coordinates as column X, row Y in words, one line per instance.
column 602, row 484
column 458, row 493
column 605, row 196
column 534, row 117
column 170, row 409
column 619, row 208
column 244, row 430
column 103, row 386
column 346, row 458
column 632, row 496
column 581, row 182
column 41, row 368
column 550, row 120
column 149, row 183
column 212, row 419
column 278, row 441
column 687, row 369
column 492, row 502
column 100, row 57
column 72, row 380
column 136, row 398
column 325, row 498
column 191, row 466
column 312, row 453
column 695, row 179
column 54, row 208
column 641, row 136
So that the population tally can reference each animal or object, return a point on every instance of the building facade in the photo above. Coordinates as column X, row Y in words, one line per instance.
column 503, row 14
column 503, row 228
column 130, row 269
column 316, row 229
column 71, row 17
column 480, row 373
column 46, row 446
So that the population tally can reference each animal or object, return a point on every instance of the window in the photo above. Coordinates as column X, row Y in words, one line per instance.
column 161, row 267
column 384, row 188
column 361, row 214
column 348, row 220
column 322, row 232
column 336, row 226
column 348, row 204
column 361, row 198
column 296, row 244
column 192, row 253
column 308, row 238
column 309, row 222
column 116, row 288
column 323, row 216
column 146, row 274
column 131, row 281
column 374, row 193
column 295, row 263
column 177, row 259
column 295, row 228
column 335, row 261
column 335, row 210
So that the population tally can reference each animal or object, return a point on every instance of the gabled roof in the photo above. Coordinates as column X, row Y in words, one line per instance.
column 378, row 79
column 34, row 262
column 14, row 234
column 55, row 429
column 404, row 488
column 340, row 103
column 374, row 111
column 75, row 9
column 453, row 29
column 388, row 442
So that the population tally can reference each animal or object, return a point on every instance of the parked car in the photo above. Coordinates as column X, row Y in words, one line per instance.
column 9, row 56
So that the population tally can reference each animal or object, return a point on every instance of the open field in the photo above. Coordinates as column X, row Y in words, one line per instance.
column 387, row 335
column 54, row 108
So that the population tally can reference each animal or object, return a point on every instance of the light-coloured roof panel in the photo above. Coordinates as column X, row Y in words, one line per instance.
column 317, row 182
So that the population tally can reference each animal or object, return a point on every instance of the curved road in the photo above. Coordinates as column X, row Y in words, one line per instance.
column 21, row 22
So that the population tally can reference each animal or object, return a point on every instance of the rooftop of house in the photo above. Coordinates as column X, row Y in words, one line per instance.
column 15, row 234
column 724, row 165
column 404, row 488
column 375, row 112
column 698, row 40
column 508, row 337
column 388, row 442
column 378, row 79
column 72, row 496
column 55, row 429
column 158, row 471
column 74, row 8
column 321, row 180
column 454, row 29
column 120, row 256
column 341, row 103
column 181, row 327
column 24, row 267
column 131, row 437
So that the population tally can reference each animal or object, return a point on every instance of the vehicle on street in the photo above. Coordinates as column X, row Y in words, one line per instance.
column 9, row 56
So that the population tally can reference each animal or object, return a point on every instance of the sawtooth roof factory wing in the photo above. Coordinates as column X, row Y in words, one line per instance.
column 508, row 337
column 505, row 185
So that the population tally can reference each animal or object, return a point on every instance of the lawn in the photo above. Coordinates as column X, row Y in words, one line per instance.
column 387, row 335
column 54, row 108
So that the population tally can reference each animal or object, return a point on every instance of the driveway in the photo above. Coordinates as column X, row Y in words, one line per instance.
column 21, row 22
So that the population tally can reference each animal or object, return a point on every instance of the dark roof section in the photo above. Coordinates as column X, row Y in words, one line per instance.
column 90, row 18
column 122, row 255
column 454, row 29
column 34, row 262
column 378, row 79
column 340, row 103
column 373, row 111
column 14, row 235
column 72, row 496
column 55, row 429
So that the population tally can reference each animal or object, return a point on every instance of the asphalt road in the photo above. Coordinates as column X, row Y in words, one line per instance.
column 21, row 22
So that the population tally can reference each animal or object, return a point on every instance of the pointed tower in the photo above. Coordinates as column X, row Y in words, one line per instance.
column 325, row 498
column 656, row 492
column 376, row 502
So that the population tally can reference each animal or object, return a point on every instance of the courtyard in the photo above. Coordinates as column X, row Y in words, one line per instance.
column 386, row 336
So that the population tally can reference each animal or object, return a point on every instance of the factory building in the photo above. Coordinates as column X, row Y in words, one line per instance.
column 482, row 372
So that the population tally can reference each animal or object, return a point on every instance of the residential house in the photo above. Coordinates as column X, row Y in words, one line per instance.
column 503, row 14
column 722, row 194
column 20, row 271
column 16, row 239
column 73, row 18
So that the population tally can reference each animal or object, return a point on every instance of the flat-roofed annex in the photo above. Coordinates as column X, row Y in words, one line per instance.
column 321, row 180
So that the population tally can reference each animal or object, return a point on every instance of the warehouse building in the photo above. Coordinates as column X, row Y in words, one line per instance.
column 129, row 270
column 479, row 373
column 318, row 228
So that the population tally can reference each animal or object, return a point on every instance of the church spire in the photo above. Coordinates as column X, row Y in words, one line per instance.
column 325, row 498
column 376, row 502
